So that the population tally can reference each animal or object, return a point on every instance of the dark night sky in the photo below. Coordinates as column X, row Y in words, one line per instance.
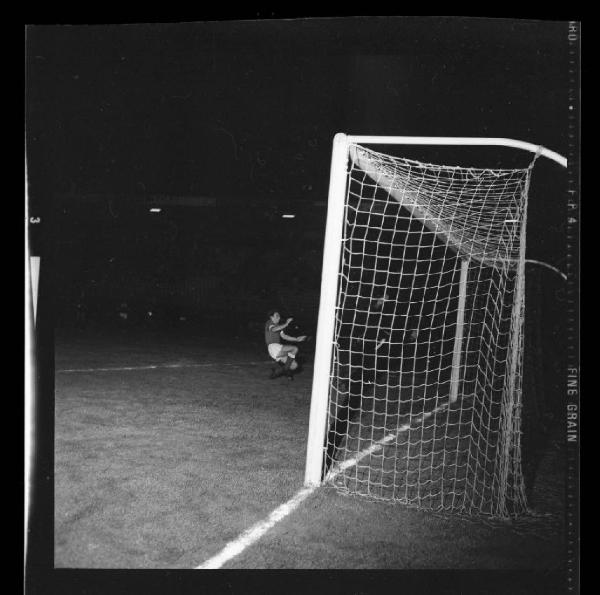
column 245, row 112
column 250, row 108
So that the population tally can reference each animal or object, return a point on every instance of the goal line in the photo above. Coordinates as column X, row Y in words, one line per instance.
column 258, row 530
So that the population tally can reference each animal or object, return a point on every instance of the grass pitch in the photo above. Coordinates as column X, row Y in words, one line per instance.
column 162, row 467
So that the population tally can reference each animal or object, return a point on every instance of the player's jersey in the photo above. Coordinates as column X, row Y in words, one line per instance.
column 271, row 336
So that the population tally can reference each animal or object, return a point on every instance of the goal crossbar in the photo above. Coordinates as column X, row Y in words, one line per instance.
column 458, row 140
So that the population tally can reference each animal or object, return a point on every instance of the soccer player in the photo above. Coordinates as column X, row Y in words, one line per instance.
column 284, row 354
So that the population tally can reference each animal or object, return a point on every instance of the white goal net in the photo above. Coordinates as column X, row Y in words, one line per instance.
column 426, row 369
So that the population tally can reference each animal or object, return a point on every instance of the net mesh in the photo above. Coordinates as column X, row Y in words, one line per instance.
column 426, row 375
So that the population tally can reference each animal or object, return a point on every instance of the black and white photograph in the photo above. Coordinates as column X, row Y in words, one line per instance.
column 302, row 294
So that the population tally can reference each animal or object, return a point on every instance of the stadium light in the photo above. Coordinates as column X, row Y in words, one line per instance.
column 288, row 216
column 155, row 210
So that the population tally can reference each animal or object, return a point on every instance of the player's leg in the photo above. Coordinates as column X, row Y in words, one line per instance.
column 276, row 352
column 278, row 370
column 285, row 356
column 291, row 365
column 285, row 367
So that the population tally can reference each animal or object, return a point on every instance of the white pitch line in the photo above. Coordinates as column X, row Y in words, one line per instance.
column 157, row 366
column 376, row 446
column 254, row 533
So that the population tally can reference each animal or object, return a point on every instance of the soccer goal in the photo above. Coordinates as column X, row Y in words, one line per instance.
column 419, row 357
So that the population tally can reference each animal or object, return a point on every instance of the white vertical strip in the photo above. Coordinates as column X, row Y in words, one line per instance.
column 34, row 268
column 326, row 321
column 29, row 383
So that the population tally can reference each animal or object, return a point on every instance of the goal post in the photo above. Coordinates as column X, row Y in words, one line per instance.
column 327, row 304
column 418, row 365
column 458, row 339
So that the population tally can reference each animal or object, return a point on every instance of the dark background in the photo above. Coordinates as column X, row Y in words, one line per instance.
column 227, row 125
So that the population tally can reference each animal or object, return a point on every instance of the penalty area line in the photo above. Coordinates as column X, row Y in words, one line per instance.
column 254, row 533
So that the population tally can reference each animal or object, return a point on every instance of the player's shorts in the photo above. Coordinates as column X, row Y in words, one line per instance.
column 275, row 351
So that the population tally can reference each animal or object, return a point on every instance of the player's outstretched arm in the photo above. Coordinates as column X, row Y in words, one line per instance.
column 293, row 339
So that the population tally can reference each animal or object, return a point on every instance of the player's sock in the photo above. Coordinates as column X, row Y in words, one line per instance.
column 292, row 366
